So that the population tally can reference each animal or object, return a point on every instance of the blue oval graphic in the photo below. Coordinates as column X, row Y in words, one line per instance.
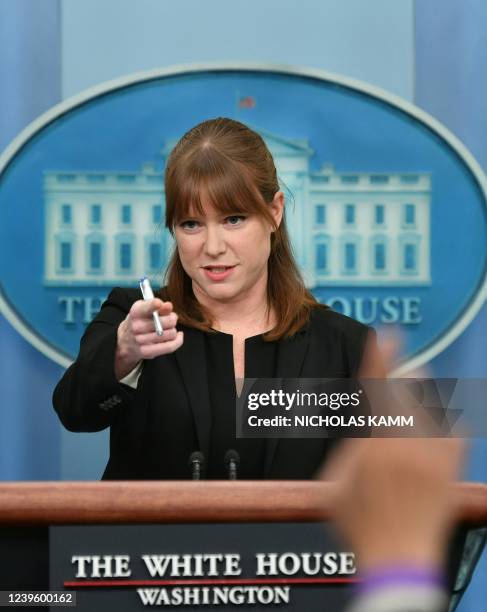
column 387, row 215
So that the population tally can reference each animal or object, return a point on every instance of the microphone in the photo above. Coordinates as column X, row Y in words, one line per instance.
column 196, row 462
column 232, row 460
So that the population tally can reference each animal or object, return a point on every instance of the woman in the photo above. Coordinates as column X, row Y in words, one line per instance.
column 235, row 305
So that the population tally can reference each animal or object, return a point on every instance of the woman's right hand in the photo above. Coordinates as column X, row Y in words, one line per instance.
column 137, row 339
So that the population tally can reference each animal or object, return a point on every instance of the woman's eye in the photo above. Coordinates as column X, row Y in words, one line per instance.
column 235, row 219
column 190, row 224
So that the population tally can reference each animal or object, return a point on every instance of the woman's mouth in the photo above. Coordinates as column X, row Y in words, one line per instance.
column 218, row 273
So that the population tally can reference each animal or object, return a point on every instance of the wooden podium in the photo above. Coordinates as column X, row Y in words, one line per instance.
column 34, row 515
column 64, row 503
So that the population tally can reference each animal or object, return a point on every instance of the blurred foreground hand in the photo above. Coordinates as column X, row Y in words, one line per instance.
column 394, row 496
column 394, row 501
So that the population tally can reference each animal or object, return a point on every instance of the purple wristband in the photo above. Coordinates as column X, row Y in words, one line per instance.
column 403, row 575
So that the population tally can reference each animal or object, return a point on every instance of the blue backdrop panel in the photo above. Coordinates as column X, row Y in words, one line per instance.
column 451, row 55
column 30, row 83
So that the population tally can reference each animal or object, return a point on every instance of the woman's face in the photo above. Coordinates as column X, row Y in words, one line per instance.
column 226, row 255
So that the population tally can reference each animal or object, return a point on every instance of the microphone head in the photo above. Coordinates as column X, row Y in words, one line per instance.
column 196, row 457
column 231, row 456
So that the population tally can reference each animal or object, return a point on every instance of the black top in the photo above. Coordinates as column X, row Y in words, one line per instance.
column 155, row 428
column 260, row 361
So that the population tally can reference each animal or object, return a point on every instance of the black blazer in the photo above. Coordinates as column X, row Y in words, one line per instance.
column 155, row 428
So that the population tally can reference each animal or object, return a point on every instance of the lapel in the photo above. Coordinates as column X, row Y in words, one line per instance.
column 290, row 358
column 191, row 359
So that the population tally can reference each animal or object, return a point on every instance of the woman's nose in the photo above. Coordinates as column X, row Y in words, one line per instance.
column 215, row 242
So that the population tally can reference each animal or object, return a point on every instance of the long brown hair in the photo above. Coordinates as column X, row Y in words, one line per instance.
column 232, row 166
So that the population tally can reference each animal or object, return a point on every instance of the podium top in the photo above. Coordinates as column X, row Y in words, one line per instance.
column 64, row 503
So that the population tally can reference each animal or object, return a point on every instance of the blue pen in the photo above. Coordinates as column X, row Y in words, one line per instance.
column 148, row 294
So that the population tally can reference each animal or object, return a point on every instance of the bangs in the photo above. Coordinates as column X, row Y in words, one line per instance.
column 208, row 177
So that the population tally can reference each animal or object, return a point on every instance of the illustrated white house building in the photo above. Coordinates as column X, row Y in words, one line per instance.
column 104, row 228
column 347, row 228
